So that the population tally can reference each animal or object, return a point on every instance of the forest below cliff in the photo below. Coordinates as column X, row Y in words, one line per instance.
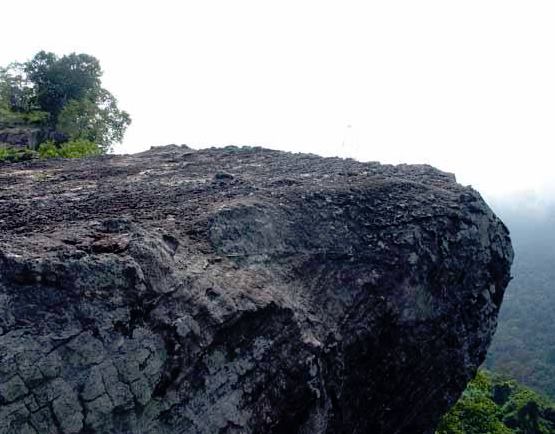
column 495, row 404
column 524, row 344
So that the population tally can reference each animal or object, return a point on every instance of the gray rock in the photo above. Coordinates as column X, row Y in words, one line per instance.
column 241, row 290
column 13, row 389
column 27, row 136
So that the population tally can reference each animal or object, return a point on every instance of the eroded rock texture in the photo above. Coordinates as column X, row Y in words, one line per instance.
column 26, row 137
column 240, row 291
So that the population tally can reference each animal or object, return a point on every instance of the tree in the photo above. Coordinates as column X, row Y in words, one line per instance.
column 16, row 91
column 60, row 80
column 69, row 90
column 101, row 122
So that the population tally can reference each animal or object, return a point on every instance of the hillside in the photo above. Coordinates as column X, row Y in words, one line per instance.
column 524, row 345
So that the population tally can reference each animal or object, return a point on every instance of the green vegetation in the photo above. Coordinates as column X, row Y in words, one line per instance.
column 73, row 149
column 523, row 347
column 10, row 117
column 63, row 96
column 14, row 155
column 494, row 405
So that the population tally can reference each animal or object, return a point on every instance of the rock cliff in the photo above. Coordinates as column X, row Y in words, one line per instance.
column 241, row 290
column 27, row 136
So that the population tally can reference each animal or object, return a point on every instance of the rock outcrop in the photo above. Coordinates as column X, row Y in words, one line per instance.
column 241, row 290
column 27, row 136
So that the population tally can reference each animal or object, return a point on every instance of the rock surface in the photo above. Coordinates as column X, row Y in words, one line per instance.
column 240, row 290
column 27, row 136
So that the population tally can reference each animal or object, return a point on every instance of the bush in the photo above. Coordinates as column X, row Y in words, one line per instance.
column 14, row 155
column 71, row 149
column 48, row 150
column 5, row 153
column 79, row 148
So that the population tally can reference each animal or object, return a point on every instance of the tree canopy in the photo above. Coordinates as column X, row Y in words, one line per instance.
column 64, row 94
column 493, row 404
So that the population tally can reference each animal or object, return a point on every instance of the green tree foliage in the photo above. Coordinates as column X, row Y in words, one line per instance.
column 16, row 92
column 64, row 94
column 494, row 405
column 57, row 81
column 15, row 89
column 101, row 122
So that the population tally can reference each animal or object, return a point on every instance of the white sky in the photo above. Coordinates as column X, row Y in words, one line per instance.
column 468, row 86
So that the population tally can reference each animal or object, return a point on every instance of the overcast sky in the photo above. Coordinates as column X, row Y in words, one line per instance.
column 468, row 86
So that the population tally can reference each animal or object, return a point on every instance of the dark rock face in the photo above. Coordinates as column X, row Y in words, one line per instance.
column 241, row 291
column 27, row 137
column 19, row 137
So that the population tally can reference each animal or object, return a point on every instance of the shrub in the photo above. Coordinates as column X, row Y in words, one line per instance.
column 5, row 153
column 79, row 148
column 13, row 154
column 48, row 150
column 495, row 405
column 71, row 149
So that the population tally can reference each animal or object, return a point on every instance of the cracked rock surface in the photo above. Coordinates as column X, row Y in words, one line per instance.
column 241, row 290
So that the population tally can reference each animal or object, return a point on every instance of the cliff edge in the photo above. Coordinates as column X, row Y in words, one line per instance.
column 241, row 290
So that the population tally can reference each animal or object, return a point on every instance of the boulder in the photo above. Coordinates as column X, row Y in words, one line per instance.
column 241, row 290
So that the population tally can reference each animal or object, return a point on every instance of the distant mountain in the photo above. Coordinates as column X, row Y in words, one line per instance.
column 524, row 344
